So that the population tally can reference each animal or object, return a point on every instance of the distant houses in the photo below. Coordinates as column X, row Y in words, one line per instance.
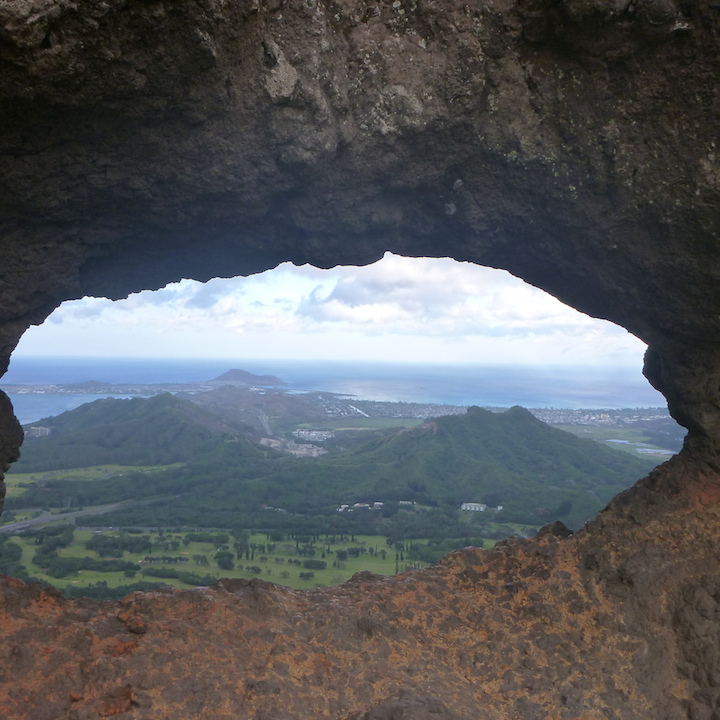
column 298, row 450
column 38, row 431
column 474, row 507
column 367, row 506
column 478, row 507
column 313, row 434
column 360, row 506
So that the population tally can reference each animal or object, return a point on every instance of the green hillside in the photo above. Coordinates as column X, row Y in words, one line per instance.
column 535, row 472
column 141, row 431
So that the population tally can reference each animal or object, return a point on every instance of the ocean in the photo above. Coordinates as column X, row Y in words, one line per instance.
column 488, row 385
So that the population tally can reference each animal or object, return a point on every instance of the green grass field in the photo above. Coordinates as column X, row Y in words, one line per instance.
column 17, row 482
column 277, row 567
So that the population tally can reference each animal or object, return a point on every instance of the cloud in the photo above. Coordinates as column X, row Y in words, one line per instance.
column 396, row 308
column 209, row 294
column 80, row 310
column 437, row 297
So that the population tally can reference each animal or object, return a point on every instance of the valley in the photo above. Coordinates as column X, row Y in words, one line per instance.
column 316, row 471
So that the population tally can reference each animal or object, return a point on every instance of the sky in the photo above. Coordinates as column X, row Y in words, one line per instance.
column 398, row 309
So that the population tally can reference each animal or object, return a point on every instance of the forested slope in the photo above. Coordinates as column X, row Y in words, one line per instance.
column 535, row 472
column 140, row 431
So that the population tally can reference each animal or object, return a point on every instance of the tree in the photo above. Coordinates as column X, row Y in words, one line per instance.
column 315, row 564
column 224, row 559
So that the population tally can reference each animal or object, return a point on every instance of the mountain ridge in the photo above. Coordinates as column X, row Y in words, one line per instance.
column 537, row 473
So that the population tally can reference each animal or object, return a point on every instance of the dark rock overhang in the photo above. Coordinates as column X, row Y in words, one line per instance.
column 571, row 143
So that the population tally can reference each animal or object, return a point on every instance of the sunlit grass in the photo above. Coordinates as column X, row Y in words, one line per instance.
column 95, row 472
column 284, row 572
column 17, row 482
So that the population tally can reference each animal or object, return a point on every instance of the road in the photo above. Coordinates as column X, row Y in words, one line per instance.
column 47, row 518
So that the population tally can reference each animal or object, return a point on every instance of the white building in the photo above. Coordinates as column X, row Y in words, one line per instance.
column 474, row 507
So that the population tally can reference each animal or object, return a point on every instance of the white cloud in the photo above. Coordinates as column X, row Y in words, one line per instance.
column 399, row 308
column 438, row 297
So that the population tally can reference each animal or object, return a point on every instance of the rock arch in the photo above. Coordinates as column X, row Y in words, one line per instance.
column 571, row 143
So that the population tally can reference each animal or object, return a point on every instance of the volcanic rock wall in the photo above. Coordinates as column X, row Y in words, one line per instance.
column 572, row 143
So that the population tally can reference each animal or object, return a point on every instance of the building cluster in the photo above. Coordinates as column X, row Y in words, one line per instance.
column 361, row 506
column 561, row 416
column 478, row 507
column 298, row 450
column 38, row 431
column 373, row 506
column 304, row 450
column 316, row 435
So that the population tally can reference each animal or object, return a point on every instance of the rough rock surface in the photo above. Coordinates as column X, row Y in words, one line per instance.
column 619, row 621
column 571, row 142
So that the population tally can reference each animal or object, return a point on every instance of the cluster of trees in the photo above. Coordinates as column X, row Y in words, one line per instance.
column 59, row 566
column 10, row 557
column 224, row 559
column 171, row 559
column 189, row 578
column 217, row 539
column 408, row 552
column 116, row 545
column 101, row 591
column 52, row 538
column 315, row 564
column 48, row 540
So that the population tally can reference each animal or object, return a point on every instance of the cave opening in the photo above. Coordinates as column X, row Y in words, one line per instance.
column 397, row 310
column 402, row 330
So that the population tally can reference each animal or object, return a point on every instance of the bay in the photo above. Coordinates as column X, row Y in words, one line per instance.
column 485, row 385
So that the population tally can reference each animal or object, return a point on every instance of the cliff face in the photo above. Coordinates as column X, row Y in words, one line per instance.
column 572, row 143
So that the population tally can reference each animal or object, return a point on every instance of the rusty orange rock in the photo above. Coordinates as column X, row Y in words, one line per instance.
column 619, row 620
